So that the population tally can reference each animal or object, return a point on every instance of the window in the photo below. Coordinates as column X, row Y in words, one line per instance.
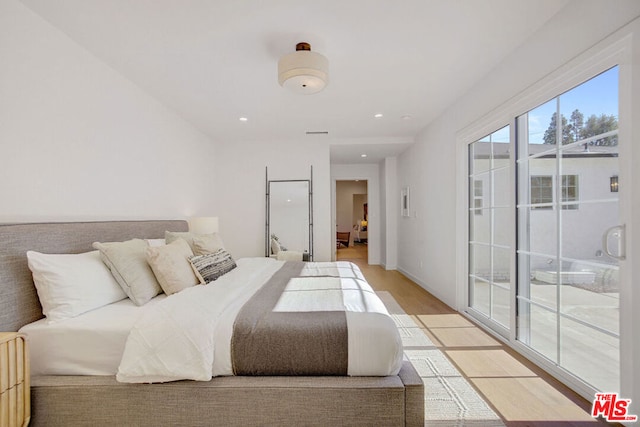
column 570, row 191
column 542, row 192
column 477, row 197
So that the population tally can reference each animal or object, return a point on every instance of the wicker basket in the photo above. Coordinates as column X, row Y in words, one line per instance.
column 15, row 403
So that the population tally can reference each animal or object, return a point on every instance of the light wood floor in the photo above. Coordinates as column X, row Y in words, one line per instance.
column 520, row 392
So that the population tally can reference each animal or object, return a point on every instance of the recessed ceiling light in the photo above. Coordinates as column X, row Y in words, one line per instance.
column 243, row 119
column 377, row 115
column 363, row 155
column 406, row 117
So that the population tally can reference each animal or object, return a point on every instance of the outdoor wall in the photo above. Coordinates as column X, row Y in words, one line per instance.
column 582, row 227
column 79, row 141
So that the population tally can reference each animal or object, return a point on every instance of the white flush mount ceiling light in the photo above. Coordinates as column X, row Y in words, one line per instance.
column 303, row 71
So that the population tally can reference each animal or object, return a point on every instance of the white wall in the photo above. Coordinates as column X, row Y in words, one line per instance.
column 78, row 141
column 372, row 174
column 240, row 191
column 390, row 197
column 429, row 166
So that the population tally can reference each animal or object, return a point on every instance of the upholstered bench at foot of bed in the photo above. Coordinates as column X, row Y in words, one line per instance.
column 100, row 401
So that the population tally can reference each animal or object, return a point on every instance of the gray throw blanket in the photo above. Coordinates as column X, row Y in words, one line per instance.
column 266, row 342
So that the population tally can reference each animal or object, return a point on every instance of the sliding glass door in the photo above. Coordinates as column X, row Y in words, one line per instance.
column 569, row 239
column 490, row 229
column 545, row 244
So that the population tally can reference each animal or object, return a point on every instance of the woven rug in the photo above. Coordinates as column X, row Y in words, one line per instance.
column 449, row 398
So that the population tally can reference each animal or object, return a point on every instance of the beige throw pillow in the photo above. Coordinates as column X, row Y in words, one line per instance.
column 128, row 264
column 200, row 243
column 170, row 264
column 207, row 244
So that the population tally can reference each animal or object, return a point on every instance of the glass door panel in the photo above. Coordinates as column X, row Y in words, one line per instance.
column 490, row 232
column 568, row 292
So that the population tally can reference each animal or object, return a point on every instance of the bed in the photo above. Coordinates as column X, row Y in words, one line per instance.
column 98, row 398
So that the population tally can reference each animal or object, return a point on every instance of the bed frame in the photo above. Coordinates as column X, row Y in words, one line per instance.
column 101, row 400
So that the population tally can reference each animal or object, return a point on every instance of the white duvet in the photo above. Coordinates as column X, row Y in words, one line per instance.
column 188, row 335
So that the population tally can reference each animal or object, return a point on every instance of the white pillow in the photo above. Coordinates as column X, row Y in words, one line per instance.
column 128, row 264
column 170, row 263
column 154, row 243
column 72, row 284
column 275, row 246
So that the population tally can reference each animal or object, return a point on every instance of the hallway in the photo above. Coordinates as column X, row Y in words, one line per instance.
column 358, row 252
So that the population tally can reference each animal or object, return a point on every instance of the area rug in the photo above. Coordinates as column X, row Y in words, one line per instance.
column 449, row 398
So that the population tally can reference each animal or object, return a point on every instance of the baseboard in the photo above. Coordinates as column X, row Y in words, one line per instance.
column 424, row 286
column 389, row 267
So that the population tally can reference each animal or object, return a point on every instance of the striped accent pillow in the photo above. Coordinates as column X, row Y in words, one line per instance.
column 209, row 267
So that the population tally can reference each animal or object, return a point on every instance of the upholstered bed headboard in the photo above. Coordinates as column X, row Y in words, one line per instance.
column 19, row 302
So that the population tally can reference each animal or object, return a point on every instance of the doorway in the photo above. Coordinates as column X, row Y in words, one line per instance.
column 352, row 225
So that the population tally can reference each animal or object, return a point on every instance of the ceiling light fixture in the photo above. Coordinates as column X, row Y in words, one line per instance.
column 303, row 71
column 378, row 115
column 363, row 155
column 243, row 119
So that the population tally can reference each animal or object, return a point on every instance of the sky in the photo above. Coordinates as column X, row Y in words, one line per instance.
column 596, row 96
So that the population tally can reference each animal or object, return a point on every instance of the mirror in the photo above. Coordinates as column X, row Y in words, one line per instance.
column 288, row 216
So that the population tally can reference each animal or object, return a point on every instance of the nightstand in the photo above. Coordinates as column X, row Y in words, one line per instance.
column 15, row 396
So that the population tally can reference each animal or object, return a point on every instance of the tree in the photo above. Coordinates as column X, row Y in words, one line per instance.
column 597, row 125
column 576, row 128
column 550, row 134
column 576, row 125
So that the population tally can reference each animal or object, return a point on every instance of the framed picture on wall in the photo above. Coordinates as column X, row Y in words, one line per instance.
column 404, row 201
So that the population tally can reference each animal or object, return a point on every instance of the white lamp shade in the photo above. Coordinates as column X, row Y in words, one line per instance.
column 203, row 224
column 303, row 72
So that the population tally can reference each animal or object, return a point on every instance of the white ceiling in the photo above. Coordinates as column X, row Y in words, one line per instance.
column 216, row 61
